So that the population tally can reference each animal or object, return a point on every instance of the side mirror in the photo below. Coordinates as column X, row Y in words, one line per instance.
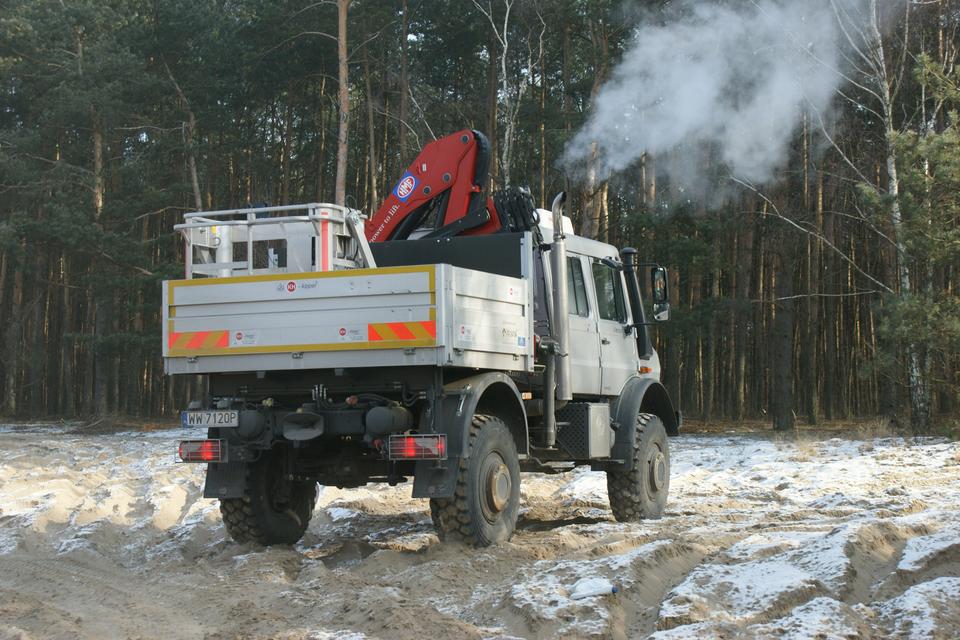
column 661, row 297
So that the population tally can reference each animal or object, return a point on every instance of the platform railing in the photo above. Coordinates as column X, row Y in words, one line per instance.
column 279, row 239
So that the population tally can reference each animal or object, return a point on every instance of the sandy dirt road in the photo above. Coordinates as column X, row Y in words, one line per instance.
column 107, row 537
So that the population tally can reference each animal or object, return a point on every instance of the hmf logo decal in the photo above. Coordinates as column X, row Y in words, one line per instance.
column 405, row 187
column 291, row 286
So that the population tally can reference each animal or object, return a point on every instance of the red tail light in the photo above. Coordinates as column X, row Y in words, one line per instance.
column 202, row 451
column 418, row 447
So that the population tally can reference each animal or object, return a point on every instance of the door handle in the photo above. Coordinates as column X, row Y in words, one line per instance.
column 604, row 341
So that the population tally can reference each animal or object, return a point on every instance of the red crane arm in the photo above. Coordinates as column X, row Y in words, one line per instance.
column 446, row 178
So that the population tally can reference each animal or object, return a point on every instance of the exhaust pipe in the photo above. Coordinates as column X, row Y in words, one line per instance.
column 561, row 319
column 556, row 375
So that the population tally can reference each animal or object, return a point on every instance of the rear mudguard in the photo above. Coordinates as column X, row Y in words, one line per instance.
column 639, row 395
column 225, row 480
column 494, row 393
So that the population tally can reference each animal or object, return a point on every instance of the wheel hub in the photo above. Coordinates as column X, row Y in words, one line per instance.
column 498, row 486
column 658, row 470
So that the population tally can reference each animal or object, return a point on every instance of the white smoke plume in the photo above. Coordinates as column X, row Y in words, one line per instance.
column 733, row 79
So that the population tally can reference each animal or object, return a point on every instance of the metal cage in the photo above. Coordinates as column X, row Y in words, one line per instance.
column 266, row 240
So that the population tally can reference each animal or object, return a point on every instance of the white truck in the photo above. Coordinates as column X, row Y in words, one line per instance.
column 455, row 360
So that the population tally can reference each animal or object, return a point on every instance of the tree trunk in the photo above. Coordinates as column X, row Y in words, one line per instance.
column 590, row 195
column 285, row 169
column 648, row 181
column 782, row 399
column 322, row 148
column 67, row 349
column 404, row 83
column 672, row 366
column 542, row 130
column 493, row 106
column 189, row 131
column 710, row 350
column 691, row 352
column 13, row 341
column 343, row 103
column 101, row 365
column 813, row 361
column 744, row 312
column 374, row 200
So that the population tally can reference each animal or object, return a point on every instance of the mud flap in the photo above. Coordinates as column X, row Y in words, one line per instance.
column 225, row 480
column 439, row 480
column 431, row 481
column 460, row 402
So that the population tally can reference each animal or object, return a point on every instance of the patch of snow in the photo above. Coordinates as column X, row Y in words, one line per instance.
column 586, row 487
column 9, row 541
column 335, row 635
column 920, row 551
column 825, row 557
column 738, row 592
column 547, row 599
column 766, row 544
column 340, row 513
column 695, row 631
column 920, row 611
column 546, row 593
column 818, row 618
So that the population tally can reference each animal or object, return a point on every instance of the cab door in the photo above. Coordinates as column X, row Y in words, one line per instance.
column 618, row 347
column 585, row 375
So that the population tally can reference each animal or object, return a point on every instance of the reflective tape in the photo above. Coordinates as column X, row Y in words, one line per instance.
column 384, row 331
column 197, row 340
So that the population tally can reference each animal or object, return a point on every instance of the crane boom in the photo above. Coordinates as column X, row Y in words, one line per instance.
column 442, row 189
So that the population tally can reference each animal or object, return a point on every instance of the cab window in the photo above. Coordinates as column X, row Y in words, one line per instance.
column 576, row 288
column 610, row 304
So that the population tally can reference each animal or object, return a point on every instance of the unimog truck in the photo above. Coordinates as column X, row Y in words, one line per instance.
column 452, row 338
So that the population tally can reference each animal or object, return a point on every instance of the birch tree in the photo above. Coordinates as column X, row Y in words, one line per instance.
column 879, row 75
column 513, row 86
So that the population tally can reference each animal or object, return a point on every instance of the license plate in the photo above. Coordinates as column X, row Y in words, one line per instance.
column 210, row 418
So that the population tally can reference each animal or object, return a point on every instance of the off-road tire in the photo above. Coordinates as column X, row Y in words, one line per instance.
column 634, row 495
column 258, row 518
column 467, row 515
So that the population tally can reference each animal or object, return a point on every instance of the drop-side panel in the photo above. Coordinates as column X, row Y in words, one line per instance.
column 491, row 323
column 269, row 322
column 392, row 316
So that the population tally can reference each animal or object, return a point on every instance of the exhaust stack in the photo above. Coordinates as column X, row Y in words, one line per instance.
column 561, row 319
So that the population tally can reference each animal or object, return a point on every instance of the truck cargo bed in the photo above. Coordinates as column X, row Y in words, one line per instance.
column 436, row 314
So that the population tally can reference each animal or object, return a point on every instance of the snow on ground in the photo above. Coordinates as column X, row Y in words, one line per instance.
column 763, row 538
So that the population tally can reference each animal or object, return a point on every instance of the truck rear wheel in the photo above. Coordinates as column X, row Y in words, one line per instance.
column 274, row 509
column 641, row 493
column 486, row 501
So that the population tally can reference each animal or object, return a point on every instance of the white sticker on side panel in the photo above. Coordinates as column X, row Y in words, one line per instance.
column 509, row 333
column 244, row 338
column 352, row 334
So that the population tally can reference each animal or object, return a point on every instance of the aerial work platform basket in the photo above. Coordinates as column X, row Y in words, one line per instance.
column 272, row 240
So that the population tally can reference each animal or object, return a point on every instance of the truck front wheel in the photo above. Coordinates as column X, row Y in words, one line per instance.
column 486, row 502
column 274, row 509
column 641, row 493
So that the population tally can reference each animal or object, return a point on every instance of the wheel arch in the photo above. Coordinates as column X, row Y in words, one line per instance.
column 640, row 395
column 493, row 393
column 645, row 395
